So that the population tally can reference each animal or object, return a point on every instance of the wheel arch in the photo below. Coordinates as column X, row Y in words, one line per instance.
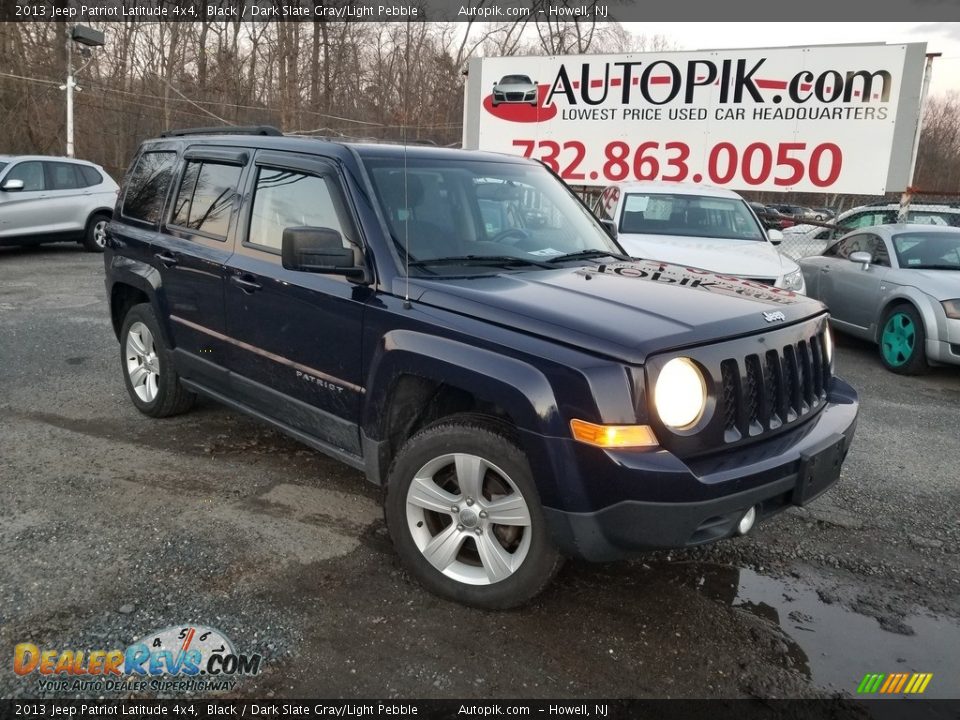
column 911, row 297
column 416, row 379
column 133, row 283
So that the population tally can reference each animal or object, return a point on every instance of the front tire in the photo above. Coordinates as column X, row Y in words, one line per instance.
column 465, row 518
column 903, row 341
column 95, row 237
column 147, row 364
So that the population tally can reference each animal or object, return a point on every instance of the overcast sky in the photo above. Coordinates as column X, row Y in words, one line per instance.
column 940, row 37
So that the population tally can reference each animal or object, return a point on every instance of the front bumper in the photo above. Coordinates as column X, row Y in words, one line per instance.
column 653, row 500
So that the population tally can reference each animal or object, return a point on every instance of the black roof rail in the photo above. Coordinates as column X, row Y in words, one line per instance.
column 225, row 130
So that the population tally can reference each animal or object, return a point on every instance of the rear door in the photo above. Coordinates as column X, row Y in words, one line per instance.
column 20, row 213
column 296, row 355
column 191, row 252
column 66, row 206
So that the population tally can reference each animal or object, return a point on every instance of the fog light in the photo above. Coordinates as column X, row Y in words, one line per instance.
column 746, row 522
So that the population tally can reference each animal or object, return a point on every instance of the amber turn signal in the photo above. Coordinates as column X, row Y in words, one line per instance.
column 613, row 436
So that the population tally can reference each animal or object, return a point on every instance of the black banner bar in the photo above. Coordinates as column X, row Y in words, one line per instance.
column 746, row 709
column 99, row 11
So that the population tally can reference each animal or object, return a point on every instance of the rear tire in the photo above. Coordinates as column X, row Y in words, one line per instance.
column 95, row 237
column 147, row 365
column 903, row 341
column 447, row 487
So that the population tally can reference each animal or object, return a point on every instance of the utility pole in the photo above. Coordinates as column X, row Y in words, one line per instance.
column 69, row 89
column 85, row 36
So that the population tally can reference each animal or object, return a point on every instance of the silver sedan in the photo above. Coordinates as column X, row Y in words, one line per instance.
column 897, row 286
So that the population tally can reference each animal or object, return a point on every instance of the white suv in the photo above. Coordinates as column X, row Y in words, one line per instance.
column 697, row 226
column 54, row 199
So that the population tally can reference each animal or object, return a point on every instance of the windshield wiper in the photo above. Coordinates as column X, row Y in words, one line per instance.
column 586, row 255
column 468, row 260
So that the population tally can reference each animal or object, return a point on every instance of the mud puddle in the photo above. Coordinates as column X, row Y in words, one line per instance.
column 830, row 643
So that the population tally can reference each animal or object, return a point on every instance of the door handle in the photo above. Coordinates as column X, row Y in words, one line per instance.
column 245, row 283
column 168, row 259
column 825, row 269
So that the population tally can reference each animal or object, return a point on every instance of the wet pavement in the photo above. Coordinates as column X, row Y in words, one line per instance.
column 113, row 525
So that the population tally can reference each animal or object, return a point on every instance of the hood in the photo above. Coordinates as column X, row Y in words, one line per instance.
column 744, row 258
column 625, row 310
column 940, row 284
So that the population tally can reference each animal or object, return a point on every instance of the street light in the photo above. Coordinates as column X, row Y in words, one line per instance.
column 85, row 36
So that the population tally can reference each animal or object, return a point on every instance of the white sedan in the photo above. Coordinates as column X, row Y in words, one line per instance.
column 697, row 226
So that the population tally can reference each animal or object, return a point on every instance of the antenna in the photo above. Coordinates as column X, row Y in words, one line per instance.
column 406, row 189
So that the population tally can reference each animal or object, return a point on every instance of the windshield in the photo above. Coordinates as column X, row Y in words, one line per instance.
column 689, row 216
column 479, row 209
column 928, row 250
column 516, row 80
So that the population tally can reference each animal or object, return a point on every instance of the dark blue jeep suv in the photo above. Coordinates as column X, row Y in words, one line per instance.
column 458, row 326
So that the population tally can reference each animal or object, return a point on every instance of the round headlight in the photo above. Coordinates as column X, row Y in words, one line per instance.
column 828, row 344
column 681, row 394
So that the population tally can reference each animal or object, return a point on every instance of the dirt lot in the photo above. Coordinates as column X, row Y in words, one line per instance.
column 113, row 525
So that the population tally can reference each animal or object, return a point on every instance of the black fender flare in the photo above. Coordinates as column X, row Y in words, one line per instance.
column 140, row 276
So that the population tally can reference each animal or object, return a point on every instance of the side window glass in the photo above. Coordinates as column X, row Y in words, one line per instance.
column 878, row 251
column 846, row 246
column 62, row 176
column 285, row 198
column 31, row 173
column 146, row 186
column 206, row 197
column 90, row 176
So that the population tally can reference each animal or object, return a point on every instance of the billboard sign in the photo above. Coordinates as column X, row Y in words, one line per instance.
column 835, row 118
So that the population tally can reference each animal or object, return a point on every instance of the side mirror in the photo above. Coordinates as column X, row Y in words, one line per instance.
column 861, row 258
column 12, row 186
column 776, row 237
column 317, row 250
column 611, row 227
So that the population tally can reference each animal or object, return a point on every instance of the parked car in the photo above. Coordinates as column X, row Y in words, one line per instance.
column 52, row 199
column 897, row 286
column 515, row 89
column 524, row 393
column 797, row 212
column 822, row 213
column 806, row 240
column 697, row 226
column 768, row 218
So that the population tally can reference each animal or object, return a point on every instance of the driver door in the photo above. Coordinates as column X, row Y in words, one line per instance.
column 296, row 347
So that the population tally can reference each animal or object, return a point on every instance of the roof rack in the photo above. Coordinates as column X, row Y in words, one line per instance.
column 225, row 130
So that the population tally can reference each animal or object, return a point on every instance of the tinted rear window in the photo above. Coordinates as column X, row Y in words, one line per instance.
column 147, row 186
column 90, row 175
column 63, row 176
column 205, row 199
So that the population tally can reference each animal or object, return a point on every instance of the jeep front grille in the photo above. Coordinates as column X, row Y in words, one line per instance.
column 760, row 385
column 778, row 387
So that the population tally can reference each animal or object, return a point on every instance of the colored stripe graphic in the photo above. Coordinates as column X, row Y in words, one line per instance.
column 894, row 683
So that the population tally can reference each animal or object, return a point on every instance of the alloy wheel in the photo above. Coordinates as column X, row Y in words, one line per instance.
column 100, row 233
column 469, row 519
column 899, row 339
column 143, row 365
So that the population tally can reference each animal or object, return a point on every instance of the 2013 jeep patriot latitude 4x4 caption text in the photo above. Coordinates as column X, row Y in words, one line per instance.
column 458, row 326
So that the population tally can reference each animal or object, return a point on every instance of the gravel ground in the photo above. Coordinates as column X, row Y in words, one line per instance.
column 113, row 525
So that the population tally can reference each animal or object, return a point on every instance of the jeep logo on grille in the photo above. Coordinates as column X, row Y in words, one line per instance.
column 774, row 316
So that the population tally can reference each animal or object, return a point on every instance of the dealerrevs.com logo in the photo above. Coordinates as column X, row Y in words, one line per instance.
column 177, row 658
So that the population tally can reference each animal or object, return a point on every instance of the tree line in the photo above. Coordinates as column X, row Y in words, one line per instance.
column 339, row 79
